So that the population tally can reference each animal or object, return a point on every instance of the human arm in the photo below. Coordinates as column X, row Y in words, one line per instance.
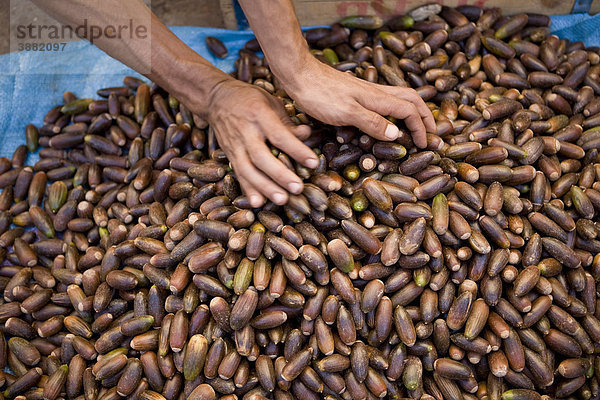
column 329, row 95
column 156, row 52
column 243, row 116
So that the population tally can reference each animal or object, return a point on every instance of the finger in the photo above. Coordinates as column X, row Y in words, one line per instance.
column 413, row 122
column 254, row 197
column 373, row 124
column 264, row 160
column 412, row 96
column 282, row 137
column 302, row 132
column 259, row 181
column 401, row 109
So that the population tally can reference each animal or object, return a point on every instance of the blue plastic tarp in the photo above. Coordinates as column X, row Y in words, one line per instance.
column 33, row 82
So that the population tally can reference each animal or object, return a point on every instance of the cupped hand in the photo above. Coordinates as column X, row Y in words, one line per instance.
column 243, row 117
column 338, row 98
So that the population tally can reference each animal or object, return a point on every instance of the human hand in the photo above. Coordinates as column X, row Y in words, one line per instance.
column 243, row 116
column 337, row 98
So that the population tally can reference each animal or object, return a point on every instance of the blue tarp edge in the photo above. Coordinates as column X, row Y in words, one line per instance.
column 33, row 82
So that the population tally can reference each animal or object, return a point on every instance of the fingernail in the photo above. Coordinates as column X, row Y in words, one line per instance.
column 295, row 187
column 312, row 163
column 254, row 201
column 391, row 132
column 279, row 198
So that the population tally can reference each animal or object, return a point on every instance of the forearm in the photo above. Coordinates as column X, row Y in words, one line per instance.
column 155, row 52
column 277, row 29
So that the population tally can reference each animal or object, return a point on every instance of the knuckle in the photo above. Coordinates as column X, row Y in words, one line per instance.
column 276, row 139
column 411, row 108
column 256, row 157
column 237, row 155
column 257, row 110
column 376, row 122
column 350, row 108
column 412, row 93
column 389, row 105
